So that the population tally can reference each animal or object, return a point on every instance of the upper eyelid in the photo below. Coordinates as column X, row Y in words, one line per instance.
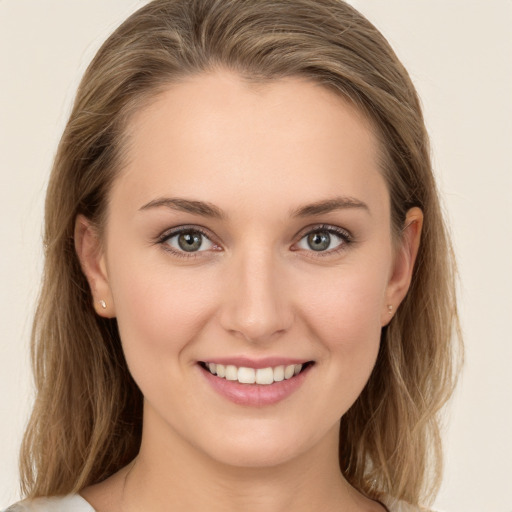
column 170, row 232
column 345, row 235
column 323, row 227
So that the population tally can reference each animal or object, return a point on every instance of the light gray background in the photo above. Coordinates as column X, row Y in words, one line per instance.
column 459, row 54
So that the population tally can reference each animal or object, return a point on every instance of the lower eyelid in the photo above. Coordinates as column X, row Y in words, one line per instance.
column 344, row 237
column 202, row 248
column 170, row 234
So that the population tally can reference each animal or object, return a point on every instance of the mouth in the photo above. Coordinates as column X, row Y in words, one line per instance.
column 262, row 376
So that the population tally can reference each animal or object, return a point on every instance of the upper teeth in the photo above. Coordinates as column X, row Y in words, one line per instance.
column 254, row 376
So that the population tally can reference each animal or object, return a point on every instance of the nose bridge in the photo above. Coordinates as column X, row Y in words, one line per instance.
column 256, row 306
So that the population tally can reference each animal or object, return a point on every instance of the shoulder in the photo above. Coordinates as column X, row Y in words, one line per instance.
column 71, row 503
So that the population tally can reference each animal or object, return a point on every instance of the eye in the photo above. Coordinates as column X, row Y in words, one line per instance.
column 324, row 239
column 187, row 240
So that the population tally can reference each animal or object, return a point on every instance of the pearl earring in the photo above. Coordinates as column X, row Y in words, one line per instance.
column 103, row 304
column 390, row 309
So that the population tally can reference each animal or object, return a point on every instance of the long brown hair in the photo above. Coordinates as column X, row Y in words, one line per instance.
column 87, row 416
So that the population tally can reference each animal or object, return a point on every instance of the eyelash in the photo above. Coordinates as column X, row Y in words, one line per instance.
column 344, row 235
column 167, row 235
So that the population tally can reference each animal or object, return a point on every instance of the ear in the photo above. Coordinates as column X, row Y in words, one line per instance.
column 89, row 250
column 403, row 264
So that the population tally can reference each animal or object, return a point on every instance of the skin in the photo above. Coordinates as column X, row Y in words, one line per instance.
column 258, row 154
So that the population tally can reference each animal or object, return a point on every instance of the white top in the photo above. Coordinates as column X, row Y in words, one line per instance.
column 75, row 503
column 71, row 503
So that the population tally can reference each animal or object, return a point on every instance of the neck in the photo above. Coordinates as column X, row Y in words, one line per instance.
column 173, row 475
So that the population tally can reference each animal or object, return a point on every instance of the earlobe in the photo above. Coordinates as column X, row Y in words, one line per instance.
column 404, row 261
column 90, row 253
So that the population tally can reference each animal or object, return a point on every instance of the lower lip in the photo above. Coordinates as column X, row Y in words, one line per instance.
column 255, row 395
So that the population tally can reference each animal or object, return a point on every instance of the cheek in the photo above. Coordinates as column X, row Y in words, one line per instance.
column 345, row 306
column 159, row 312
column 344, row 316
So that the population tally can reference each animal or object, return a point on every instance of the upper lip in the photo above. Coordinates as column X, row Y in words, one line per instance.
column 265, row 362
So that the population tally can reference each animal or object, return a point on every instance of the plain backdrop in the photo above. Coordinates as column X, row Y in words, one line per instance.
column 459, row 54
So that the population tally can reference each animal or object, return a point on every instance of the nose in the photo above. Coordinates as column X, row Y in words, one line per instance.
column 256, row 306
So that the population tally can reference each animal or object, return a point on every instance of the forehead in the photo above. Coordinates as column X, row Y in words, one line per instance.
column 223, row 137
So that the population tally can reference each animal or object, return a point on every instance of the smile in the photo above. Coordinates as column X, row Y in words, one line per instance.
column 255, row 383
column 263, row 376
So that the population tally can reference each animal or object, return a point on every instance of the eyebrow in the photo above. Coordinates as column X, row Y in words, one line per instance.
column 328, row 206
column 206, row 209
column 186, row 205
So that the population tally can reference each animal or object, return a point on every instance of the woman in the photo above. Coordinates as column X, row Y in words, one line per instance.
column 243, row 248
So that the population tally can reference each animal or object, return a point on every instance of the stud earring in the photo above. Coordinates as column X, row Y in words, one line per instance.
column 103, row 304
column 390, row 309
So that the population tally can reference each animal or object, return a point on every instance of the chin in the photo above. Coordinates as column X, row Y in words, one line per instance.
column 262, row 445
column 254, row 456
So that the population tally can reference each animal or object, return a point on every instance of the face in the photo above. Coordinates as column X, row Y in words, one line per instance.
column 248, row 233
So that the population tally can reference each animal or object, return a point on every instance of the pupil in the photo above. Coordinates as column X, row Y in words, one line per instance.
column 190, row 241
column 319, row 241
